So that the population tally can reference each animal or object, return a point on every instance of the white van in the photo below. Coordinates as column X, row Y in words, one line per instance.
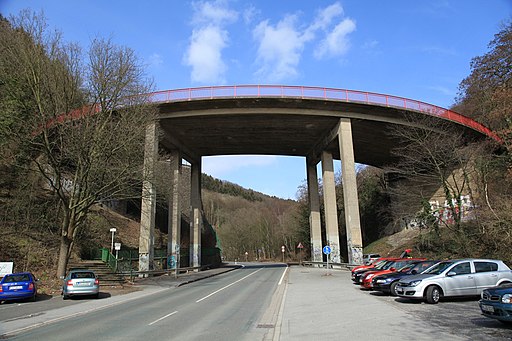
column 368, row 258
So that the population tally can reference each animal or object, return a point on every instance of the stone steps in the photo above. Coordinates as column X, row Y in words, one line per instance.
column 106, row 276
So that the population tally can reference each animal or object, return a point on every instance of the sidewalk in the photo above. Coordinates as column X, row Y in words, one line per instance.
column 318, row 306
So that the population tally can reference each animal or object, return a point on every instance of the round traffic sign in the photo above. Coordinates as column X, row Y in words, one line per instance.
column 326, row 249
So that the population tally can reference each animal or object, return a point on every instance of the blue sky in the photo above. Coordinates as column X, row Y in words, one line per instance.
column 415, row 49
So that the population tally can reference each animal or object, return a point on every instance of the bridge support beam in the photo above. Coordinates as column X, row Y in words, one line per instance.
column 174, row 221
column 148, row 204
column 351, row 203
column 314, row 213
column 331, row 211
column 196, row 218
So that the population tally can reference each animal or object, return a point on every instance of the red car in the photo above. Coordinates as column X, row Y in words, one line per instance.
column 398, row 264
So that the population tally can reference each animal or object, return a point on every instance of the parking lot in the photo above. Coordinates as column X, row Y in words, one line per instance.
column 461, row 315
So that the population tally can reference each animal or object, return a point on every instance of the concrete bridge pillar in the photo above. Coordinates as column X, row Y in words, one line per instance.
column 174, row 221
column 196, row 219
column 331, row 211
column 351, row 203
column 148, row 204
column 314, row 213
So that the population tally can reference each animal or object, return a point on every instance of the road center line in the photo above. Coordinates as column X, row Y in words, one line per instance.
column 227, row 286
column 161, row 318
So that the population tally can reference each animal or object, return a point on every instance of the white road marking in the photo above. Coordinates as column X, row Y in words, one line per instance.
column 282, row 276
column 161, row 318
column 227, row 286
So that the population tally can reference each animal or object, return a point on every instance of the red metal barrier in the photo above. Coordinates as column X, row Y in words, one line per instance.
column 285, row 91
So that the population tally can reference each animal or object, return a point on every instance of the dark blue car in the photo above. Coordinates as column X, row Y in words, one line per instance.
column 496, row 303
column 386, row 283
column 18, row 286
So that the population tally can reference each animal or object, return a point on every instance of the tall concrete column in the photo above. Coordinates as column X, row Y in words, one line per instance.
column 196, row 220
column 148, row 205
column 314, row 213
column 331, row 210
column 352, row 221
column 174, row 227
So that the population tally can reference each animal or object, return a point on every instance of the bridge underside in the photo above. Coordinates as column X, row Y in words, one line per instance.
column 291, row 127
column 317, row 129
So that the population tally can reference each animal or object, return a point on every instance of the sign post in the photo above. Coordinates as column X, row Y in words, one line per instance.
column 300, row 247
column 113, row 230
column 327, row 251
column 282, row 250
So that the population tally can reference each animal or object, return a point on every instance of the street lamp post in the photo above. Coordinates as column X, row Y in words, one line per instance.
column 113, row 230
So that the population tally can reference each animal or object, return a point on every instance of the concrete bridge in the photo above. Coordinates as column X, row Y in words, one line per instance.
column 319, row 124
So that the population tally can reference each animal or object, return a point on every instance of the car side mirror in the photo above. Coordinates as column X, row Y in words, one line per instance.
column 451, row 273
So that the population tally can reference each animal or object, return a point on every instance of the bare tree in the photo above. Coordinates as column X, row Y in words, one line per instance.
column 87, row 118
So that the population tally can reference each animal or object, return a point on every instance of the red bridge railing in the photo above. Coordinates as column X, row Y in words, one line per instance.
column 344, row 95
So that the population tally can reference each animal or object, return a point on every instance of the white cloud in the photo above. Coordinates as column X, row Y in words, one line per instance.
column 336, row 41
column 279, row 49
column 325, row 16
column 213, row 13
column 221, row 166
column 209, row 38
column 204, row 55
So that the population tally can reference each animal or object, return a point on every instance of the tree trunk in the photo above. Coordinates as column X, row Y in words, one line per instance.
column 65, row 245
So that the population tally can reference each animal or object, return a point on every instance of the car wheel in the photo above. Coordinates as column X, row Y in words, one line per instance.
column 96, row 296
column 392, row 288
column 65, row 297
column 33, row 298
column 507, row 323
column 433, row 294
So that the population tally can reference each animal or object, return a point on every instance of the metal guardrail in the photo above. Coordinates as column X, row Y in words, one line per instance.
column 331, row 265
column 305, row 92
column 159, row 272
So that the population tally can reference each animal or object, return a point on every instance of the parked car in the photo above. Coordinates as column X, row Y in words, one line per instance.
column 80, row 282
column 358, row 274
column 463, row 277
column 496, row 303
column 372, row 264
column 387, row 282
column 366, row 279
column 368, row 258
column 18, row 286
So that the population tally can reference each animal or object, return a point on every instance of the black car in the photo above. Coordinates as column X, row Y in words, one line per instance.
column 358, row 275
column 386, row 283
column 496, row 303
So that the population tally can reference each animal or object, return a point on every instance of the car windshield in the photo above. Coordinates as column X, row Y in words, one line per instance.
column 439, row 268
column 16, row 278
column 382, row 265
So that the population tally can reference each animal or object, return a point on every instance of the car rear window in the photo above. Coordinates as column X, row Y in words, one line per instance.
column 485, row 266
column 16, row 278
column 82, row 275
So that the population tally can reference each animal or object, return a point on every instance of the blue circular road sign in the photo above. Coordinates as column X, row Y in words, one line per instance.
column 326, row 249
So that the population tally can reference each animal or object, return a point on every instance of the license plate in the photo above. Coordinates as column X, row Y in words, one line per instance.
column 16, row 287
column 488, row 308
column 83, row 284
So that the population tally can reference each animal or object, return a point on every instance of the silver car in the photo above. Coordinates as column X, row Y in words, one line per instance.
column 80, row 282
column 463, row 277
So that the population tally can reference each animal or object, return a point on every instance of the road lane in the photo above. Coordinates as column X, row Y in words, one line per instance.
column 223, row 307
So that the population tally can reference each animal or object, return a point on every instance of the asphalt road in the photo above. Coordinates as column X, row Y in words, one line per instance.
column 224, row 307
